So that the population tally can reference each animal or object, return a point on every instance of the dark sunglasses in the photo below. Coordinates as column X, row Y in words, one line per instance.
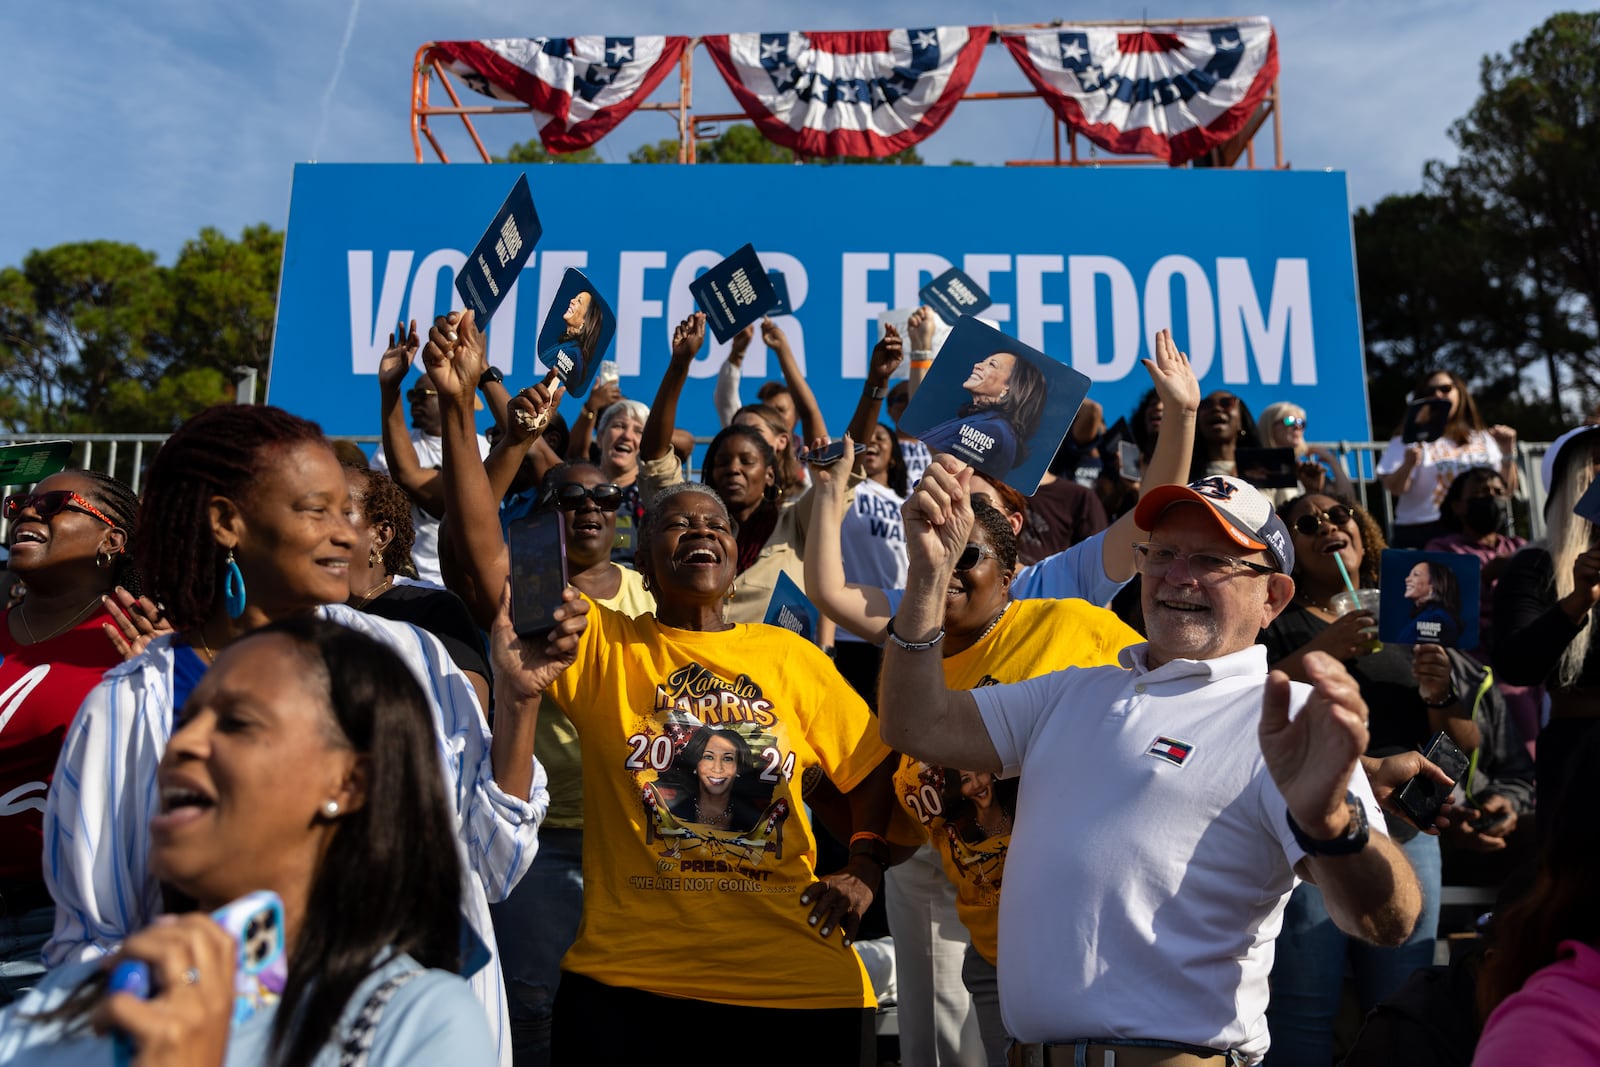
column 1440, row 390
column 47, row 505
column 1225, row 402
column 973, row 555
column 570, row 497
column 1294, row 422
column 1311, row 524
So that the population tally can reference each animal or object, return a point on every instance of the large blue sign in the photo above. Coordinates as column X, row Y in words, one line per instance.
column 1252, row 270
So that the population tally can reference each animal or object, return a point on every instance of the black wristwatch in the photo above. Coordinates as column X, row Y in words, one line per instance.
column 491, row 375
column 1450, row 697
column 1354, row 838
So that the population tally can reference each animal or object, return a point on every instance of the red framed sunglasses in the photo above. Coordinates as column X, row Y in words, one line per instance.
column 48, row 505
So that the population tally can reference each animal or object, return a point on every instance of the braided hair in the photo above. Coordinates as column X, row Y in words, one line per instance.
column 121, row 504
column 218, row 452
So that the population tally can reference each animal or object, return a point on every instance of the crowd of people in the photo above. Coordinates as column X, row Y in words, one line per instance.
column 1103, row 773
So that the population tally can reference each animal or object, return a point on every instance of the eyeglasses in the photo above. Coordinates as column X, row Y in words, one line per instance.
column 420, row 392
column 1207, row 568
column 1440, row 390
column 973, row 555
column 570, row 497
column 48, row 505
column 1310, row 524
column 1294, row 422
column 1225, row 402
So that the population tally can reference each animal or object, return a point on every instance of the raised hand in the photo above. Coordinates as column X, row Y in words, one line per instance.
column 741, row 344
column 938, row 516
column 527, row 666
column 1505, row 437
column 832, row 482
column 454, row 357
column 1312, row 756
column 886, row 357
column 772, row 334
column 922, row 324
column 688, row 336
column 397, row 357
column 531, row 408
column 1174, row 379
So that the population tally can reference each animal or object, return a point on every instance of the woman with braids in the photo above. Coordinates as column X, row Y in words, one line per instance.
column 303, row 764
column 743, row 469
column 69, row 544
column 778, row 965
column 989, row 638
column 380, row 511
column 244, row 522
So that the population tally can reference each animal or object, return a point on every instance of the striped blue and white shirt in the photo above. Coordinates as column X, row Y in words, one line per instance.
column 97, row 815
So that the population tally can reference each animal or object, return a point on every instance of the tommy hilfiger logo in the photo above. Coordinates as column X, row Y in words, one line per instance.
column 1170, row 749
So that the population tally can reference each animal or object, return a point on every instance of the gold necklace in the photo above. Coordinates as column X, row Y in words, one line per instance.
column 375, row 592
column 715, row 820
column 22, row 617
column 200, row 632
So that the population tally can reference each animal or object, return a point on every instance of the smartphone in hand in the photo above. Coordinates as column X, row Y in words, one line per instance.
column 538, row 571
column 828, row 455
column 1421, row 798
column 256, row 923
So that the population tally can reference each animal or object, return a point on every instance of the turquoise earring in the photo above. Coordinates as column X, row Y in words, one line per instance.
column 233, row 588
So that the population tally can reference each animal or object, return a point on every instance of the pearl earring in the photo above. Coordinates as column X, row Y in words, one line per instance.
column 331, row 808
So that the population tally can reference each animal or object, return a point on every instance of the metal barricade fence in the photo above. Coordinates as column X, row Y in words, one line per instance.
column 125, row 456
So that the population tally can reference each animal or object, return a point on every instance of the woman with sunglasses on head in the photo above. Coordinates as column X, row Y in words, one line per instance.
column 1283, row 425
column 69, row 544
column 1419, row 474
column 638, row 692
column 244, row 522
column 1410, row 695
column 303, row 764
column 989, row 638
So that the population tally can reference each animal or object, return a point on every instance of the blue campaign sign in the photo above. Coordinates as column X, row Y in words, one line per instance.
column 1252, row 270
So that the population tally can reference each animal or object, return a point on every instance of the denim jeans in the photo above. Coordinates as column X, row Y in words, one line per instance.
column 1308, row 973
column 983, row 982
column 535, row 926
column 21, row 938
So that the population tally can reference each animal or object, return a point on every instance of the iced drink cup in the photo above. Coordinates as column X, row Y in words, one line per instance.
column 1342, row 604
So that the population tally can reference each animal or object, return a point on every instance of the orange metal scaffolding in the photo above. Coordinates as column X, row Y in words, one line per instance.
column 429, row 67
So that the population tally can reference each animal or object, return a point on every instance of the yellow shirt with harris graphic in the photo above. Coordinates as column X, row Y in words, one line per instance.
column 968, row 815
column 691, row 883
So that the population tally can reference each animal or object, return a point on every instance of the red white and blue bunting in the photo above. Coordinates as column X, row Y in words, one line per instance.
column 1173, row 92
column 869, row 93
column 578, row 87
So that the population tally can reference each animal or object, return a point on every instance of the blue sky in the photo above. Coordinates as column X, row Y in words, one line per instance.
column 144, row 122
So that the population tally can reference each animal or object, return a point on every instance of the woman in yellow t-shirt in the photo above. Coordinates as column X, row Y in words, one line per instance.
column 990, row 639
column 716, row 924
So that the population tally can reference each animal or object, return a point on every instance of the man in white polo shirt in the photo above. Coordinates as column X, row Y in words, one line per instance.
column 1165, row 806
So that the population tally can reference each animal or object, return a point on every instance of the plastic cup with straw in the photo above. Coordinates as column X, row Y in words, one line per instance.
column 1353, row 599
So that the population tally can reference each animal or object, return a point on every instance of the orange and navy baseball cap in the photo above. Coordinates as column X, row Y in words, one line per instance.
column 1243, row 513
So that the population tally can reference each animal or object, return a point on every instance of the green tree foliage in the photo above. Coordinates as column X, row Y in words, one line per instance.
column 1495, row 268
column 533, row 151
column 98, row 337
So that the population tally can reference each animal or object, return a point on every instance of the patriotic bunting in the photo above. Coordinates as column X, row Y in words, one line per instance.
column 869, row 93
column 1174, row 92
column 578, row 87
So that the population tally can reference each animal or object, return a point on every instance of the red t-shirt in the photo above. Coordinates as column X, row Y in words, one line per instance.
column 41, row 687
